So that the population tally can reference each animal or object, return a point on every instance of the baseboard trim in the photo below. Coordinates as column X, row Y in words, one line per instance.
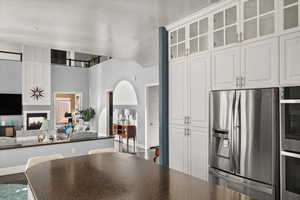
column 12, row 170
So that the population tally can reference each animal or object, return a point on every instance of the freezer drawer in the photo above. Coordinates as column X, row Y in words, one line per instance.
column 253, row 189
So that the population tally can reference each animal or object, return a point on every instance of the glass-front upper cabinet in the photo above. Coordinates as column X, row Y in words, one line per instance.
column 289, row 14
column 177, row 43
column 258, row 18
column 198, row 36
column 225, row 27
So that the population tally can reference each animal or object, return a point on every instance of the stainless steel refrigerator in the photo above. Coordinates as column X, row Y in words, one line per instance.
column 244, row 141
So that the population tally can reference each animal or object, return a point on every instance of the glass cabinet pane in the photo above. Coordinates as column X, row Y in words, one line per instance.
column 290, row 17
column 194, row 45
column 231, row 35
column 218, row 20
column 174, row 37
column 230, row 16
column 250, row 9
column 174, row 52
column 181, row 49
column 219, row 38
column 266, row 24
column 203, row 43
column 266, row 6
column 193, row 29
column 289, row 2
column 203, row 26
column 250, row 29
column 181, row 34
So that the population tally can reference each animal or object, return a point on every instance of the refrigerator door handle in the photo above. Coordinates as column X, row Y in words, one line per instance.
column 237, row 132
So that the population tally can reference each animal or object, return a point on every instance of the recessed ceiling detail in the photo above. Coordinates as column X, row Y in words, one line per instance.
column 118, row 28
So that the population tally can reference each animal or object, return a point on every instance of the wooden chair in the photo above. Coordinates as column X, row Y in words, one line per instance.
column 96, row 151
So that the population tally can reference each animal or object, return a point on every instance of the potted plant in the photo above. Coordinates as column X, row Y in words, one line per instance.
column 87, row 115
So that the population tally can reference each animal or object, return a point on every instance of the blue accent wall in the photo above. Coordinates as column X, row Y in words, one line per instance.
column 163, row 97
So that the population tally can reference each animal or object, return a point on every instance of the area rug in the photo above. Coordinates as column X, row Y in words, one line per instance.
column 13, row 192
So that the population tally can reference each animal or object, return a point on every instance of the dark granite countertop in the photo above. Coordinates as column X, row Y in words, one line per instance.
column 33, row 143
column 118, row 176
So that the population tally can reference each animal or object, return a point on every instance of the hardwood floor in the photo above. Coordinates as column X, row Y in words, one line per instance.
column 13, row 179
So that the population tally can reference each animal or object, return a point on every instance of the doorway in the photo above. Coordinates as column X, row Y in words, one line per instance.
column 152, row 116
column 65, row 105
column 109, row 109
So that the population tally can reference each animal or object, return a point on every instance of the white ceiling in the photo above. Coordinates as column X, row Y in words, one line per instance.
column 117, row 28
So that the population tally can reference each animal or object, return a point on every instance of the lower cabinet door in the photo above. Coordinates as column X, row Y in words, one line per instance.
column 198, row 153
column 177, row 149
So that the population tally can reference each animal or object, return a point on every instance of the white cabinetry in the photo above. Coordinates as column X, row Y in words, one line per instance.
column 289, row 15
column 178, row 91
column 189, row 84
column 198, row 153
column 189, row 151
column 36, row 73
column 198, row 82
column 251, row 65
column 226, row 68
column 260, row 64
column 290, row 59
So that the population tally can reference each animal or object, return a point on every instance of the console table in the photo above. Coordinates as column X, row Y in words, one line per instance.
column 127, row 131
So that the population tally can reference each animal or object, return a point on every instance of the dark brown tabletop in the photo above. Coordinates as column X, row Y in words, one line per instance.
column 118, row 176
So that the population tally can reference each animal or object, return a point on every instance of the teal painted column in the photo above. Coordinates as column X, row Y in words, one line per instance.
column 163, row 97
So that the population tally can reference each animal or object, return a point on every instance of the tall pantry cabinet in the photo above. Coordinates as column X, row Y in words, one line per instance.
column 189, row 84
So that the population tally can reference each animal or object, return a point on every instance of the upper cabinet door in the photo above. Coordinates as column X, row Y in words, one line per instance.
column 289, row 14
column 178, row 91
column 177, row 43
column 260, row 64
column 290, row 59
column 225, row 26
column 199, row 85
column 198, row 36
column 226, row 68
column 258, row 18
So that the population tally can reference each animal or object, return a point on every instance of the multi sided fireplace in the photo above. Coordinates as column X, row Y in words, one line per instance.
column 34, row 120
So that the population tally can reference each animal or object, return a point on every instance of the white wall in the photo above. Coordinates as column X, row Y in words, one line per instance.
column 10, row 77
column 106, row 76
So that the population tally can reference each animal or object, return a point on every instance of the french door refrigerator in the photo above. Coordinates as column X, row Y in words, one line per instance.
column 244, row 141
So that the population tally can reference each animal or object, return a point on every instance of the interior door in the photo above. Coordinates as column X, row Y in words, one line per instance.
column 178, row 91
column 153, row 125
column 258, row 131
column 199, row 79
column 221, row 130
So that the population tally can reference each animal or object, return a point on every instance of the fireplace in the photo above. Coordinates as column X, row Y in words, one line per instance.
column 33, row 120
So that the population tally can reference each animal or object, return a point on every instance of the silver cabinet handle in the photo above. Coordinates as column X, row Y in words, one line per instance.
column 237, row 82
column 243, row 81
column 184, row 131
column 290, row 154
column 188, row 132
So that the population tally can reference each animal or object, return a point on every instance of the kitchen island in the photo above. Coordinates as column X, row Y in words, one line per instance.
column 114, row 176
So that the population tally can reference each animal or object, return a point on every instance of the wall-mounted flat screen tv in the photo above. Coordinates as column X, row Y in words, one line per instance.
column 10, row 104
